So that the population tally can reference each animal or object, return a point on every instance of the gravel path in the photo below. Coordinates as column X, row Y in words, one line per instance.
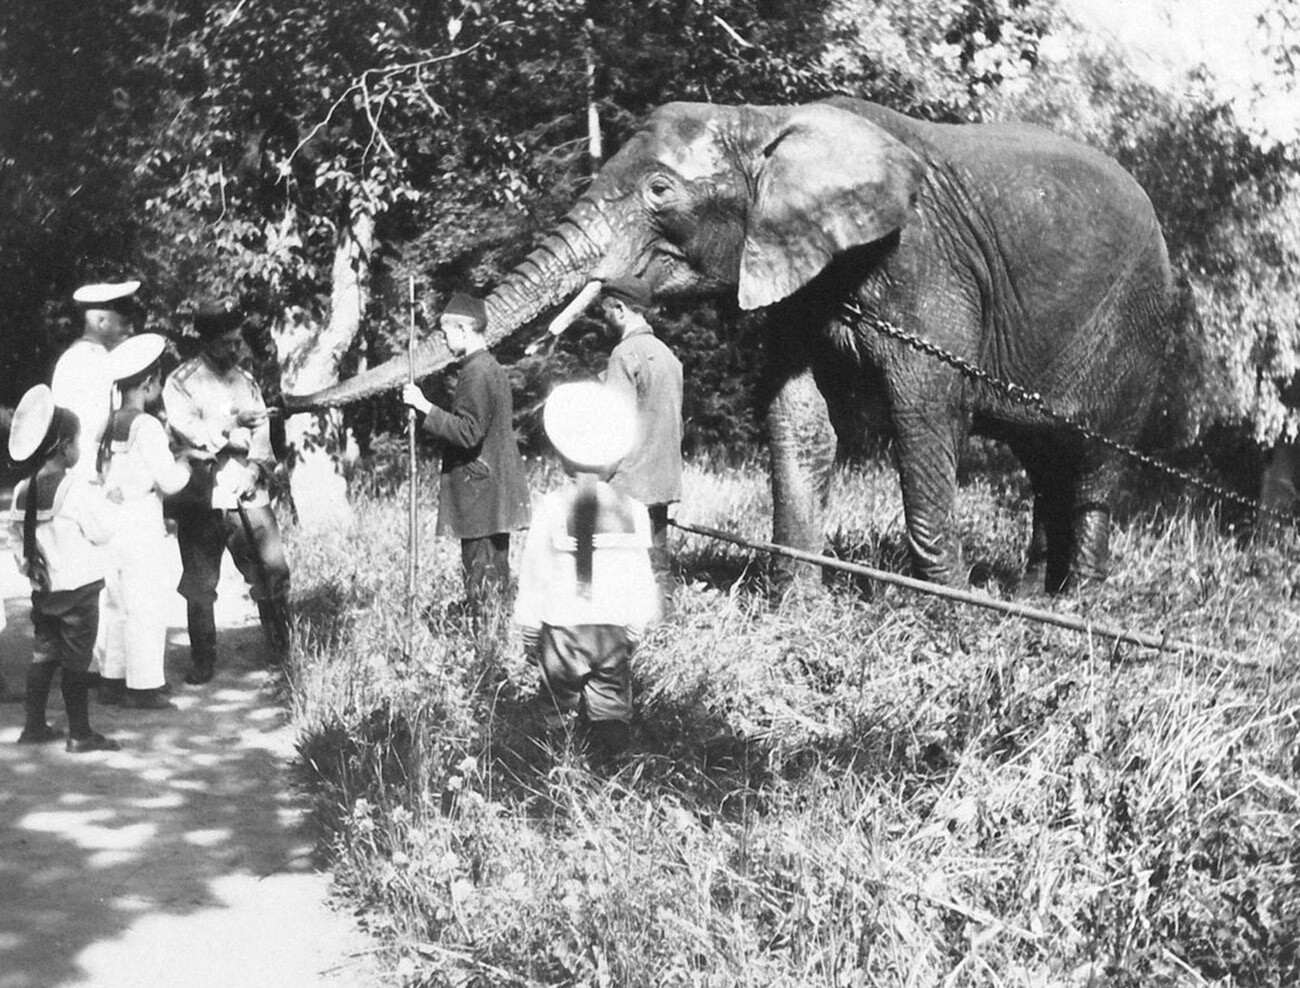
column 182, row 861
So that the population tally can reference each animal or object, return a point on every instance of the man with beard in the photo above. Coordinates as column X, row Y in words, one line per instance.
column 218, row 418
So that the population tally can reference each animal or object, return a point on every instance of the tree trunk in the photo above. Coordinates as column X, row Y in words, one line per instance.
column 595, row 147
column 309, row 355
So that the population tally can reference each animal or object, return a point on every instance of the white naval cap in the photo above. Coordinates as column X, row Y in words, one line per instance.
column 104, row 295
column 590, row 425
column 31, row 423
column 135, row 354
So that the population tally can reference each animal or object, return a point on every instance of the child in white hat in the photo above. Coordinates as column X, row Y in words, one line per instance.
column 140, row 471
column 586, row 590
column 60, row 519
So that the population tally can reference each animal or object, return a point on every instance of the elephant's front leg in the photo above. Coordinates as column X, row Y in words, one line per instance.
column 926, row 454
column 802, row 454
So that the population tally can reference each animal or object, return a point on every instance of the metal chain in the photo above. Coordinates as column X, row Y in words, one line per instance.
column 1034, row 400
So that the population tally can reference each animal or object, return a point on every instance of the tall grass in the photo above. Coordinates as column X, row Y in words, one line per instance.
column 861, row 787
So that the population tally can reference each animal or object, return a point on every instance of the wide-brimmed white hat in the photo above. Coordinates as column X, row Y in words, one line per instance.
column 31, row 423
column 105, row 295
column 135, row 354
column 590, row 425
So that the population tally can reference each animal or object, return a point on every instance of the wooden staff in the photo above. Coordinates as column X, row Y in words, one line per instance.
column 412, row 519
column 1158, row 643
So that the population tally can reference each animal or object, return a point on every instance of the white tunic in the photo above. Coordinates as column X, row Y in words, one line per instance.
column 137, row 586
column 83, row 384
column 203, row 409
column 70, row 532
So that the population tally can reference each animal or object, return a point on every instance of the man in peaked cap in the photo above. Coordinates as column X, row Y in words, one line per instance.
column 217, row 415
column 484, row 493
column 82, row 382
column 642, row 368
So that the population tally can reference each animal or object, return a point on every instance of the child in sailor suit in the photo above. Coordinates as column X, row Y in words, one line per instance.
column 141, row 471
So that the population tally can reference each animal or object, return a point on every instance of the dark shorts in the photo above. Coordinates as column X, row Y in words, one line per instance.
column 64, row 625
column 204, row 534
column 587, row 669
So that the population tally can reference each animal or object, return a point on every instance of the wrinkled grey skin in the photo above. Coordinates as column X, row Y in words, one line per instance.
column 1037, row 259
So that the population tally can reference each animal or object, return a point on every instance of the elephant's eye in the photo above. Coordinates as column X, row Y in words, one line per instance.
column 659, row 186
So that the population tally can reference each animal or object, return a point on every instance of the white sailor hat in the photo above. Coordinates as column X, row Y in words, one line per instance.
column 37, row 421
column 105, row 295
column 590, row 425
column 135, row 354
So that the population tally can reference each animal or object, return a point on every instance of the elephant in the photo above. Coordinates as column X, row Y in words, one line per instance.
column 1034, row 259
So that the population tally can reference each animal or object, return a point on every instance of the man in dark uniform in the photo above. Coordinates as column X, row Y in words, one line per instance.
column 484, row 493
column 219, row 421
column 649, row 375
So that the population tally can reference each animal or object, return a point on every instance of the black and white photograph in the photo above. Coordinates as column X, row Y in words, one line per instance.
column 649, row 493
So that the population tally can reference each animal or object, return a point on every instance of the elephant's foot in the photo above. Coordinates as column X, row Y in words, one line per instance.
column 1090, row 564
column 1033, row 580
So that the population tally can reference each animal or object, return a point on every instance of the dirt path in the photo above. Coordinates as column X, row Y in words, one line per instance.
column 182, row 860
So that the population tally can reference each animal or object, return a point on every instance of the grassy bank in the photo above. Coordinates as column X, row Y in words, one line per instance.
column 866, row 787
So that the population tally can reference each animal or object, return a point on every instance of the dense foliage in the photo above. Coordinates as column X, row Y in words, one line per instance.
column 226, row 148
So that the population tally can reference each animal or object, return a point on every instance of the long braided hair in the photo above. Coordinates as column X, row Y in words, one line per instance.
column 586, row 509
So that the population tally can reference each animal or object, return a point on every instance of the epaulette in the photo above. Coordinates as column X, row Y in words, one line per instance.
column 185, row 371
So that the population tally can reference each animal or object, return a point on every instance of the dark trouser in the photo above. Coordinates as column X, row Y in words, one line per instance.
column 64, row 625
column 586, row 669
column 204, row 534
column 660, row 561
column 486, row 565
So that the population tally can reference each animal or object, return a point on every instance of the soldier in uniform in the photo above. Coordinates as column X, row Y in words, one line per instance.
column 82, row 381
column 83, row 384
column 219, row 422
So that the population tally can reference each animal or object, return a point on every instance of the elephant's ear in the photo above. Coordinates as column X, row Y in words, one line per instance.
column 828, row 180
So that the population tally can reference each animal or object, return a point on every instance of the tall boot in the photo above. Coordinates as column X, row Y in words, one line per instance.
column 202, row 624
column 76, row 701
column 40, row 676
column 274, row 614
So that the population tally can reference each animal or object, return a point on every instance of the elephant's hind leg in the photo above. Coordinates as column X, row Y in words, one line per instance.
column 1053, row 468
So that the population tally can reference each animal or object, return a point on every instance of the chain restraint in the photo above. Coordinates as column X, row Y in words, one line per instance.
column 1034, row 400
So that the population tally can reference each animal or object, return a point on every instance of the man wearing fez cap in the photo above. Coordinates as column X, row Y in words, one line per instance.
column 218, row 418
column 82, row 382
column 642, row 368
column 483, row 494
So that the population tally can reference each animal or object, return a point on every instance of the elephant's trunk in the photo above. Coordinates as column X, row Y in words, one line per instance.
column 556, row 269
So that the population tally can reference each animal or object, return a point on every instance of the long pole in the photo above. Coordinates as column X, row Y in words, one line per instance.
column 412, row 518
column 1160, row 644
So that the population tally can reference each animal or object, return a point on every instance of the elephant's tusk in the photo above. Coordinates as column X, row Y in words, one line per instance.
column 575, row 308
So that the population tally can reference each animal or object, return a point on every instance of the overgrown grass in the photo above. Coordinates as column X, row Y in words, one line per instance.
column 865, row 787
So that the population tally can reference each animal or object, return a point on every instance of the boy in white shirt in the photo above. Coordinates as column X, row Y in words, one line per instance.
column 140, row 471
column 586, row 589
column 61, row 520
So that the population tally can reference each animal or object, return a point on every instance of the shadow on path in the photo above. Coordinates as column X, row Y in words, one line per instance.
column 182, row 859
